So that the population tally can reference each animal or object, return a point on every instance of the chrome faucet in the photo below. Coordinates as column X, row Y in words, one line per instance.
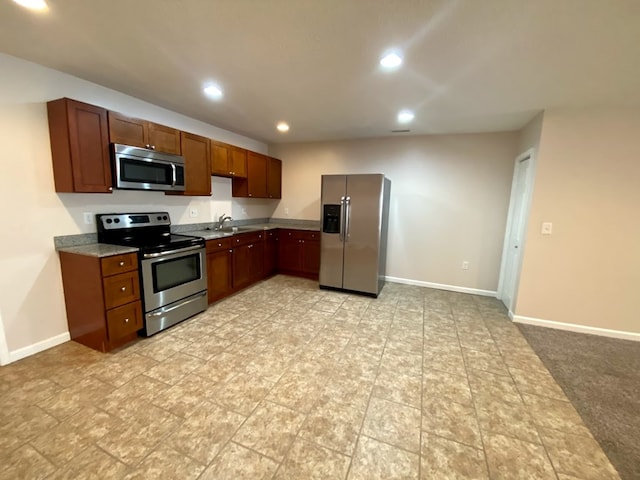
column 221, row 221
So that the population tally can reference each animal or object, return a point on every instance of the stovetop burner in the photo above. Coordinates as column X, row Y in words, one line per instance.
column 150, row 232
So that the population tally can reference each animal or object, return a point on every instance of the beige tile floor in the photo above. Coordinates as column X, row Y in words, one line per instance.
column 287, row 381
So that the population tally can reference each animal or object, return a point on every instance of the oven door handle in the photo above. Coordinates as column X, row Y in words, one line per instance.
column 170, row 252
column 173, row 307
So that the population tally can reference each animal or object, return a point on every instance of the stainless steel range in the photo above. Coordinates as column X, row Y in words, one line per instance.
column 173, row 268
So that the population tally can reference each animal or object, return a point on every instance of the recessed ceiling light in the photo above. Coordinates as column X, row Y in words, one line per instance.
column 213, row 91
column 405, row 116
column 39, row 5
column 283, row 127
column 391, row 60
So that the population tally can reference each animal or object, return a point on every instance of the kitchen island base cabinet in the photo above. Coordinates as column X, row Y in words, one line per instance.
column 102, row 297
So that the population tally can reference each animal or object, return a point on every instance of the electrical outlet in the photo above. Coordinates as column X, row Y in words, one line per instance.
column 547, row 228
column 465, row 265
column 88, row 218
column 244, row 211
column 193, row 212
column 286, row 211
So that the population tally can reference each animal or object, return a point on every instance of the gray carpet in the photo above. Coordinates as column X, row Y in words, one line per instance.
column 601, row 377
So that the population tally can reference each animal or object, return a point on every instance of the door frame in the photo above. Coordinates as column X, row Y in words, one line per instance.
column 526, row 206
column 4, row 348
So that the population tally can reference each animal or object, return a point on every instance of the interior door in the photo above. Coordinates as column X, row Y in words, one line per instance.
column 331, row 246
column 516, row 231
column 362, row 235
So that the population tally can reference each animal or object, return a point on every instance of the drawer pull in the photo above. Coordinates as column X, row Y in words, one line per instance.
column 121, row 264
column 219, row 244
column 126, row 320
column 123, row 289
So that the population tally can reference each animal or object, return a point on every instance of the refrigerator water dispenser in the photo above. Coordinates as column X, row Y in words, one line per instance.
column 331, row 219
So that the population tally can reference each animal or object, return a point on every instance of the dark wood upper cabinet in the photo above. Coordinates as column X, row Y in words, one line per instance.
column 228, row 160
column 196, row 152
column 256, row 175
column 274, row 178
column 79, row 138
column 142, row 133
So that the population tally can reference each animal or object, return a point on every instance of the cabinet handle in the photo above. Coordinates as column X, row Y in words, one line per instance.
column 121, row 264
column 110, row 189
column 250, row 194
column 126, row 320
column 250, row 246
column 219, row 244
column 123, row 289
column 147, row 146
column 230, row 251
column 153, row 147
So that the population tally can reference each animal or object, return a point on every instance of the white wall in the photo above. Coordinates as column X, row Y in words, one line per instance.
column 31, row 298
column 587, row 273
column 449, row 199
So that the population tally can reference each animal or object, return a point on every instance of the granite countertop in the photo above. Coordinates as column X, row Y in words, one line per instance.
column 98, row 250
column 213, row 234
column 86, row 244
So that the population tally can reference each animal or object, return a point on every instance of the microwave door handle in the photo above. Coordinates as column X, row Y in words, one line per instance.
column 173, row 175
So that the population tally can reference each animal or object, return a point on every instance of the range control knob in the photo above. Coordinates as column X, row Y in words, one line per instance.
column 116, row 220
column 109, row 220
column 165, row 217
column 159, row 217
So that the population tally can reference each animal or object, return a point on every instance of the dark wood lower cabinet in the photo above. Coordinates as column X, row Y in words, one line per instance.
column 234, row 263
column 102, row 298
column 299, row 253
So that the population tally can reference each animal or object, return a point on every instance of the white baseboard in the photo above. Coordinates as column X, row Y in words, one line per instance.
column 38, row 347
column 440, row 286
column 572, row 327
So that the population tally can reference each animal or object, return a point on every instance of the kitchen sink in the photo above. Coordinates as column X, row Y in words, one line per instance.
column 235, row 229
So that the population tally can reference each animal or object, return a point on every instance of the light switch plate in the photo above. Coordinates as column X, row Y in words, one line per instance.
column 88, row 218
column 547, row 228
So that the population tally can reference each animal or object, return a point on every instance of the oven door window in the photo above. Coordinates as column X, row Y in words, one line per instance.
column 173, row 273
column 139, row 171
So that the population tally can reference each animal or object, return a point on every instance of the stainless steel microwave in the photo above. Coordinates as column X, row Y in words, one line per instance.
column 142, row 169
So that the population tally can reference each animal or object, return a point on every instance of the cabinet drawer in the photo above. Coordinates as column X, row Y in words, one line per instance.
column 121, row 289
column 300, row 234
column 218, row 244
column 119, row 264
column 246, row 238
column 124, row 320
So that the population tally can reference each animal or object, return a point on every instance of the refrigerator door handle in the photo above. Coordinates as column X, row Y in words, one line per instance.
column 347, row 218
column 342, row 218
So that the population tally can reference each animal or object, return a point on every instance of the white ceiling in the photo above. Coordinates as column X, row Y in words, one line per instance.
column 470, row 65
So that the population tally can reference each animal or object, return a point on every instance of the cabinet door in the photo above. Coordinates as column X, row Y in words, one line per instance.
column 218, row 274
column 310, row 256
column 274, row 178
column 79, row 147
column 289, row 252
column 128, row 130
column 256, row 175
column 196, row 153
column 164, row 139
column 270, row 253
column 238, row 162
column 256, row 261
column 220, row 158
column 241, row 266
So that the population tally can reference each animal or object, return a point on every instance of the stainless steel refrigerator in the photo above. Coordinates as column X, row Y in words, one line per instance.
column 353, row 239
